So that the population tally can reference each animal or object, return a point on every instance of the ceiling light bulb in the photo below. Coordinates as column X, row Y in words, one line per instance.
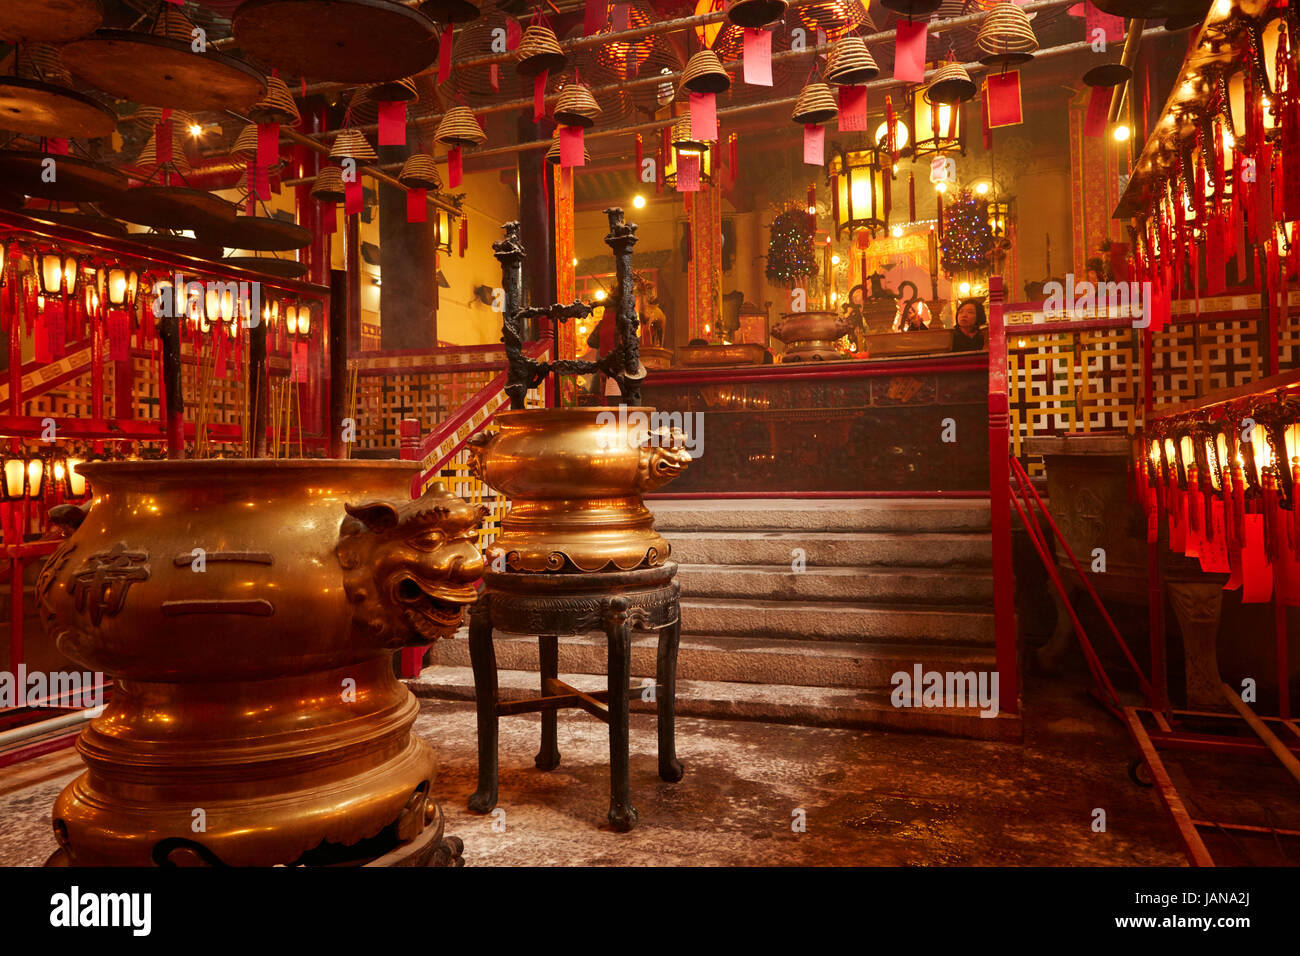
column 638, row 201
column 1121, row 133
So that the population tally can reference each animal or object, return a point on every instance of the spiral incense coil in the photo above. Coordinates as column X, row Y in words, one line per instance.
column 851, row 63
column 836, row 18
column 458, row 127
column 576, row 106
column 277, row 106
column 420, row 172
column 951, row 85
column 42, row 61
column 704, row 74
column 1005, row 35
column 245, row 146
column 148, row 157
column 329, row 185
column 539, row 51
column 756, row 13
column 683, row 134
column 174, row 24
column 352, row 144
column 816, row 104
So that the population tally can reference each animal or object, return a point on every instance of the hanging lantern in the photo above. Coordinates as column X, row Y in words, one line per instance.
column 35, row 467
column 442, row 229
column 901, row 135
column 291, row 318
column 14, row 477
column 858, row 182
column 937, row 126
column 999, row 215
column 57, row 273
column 304, row 318
column 76, row 481
column 684, row 144
column 118, row 283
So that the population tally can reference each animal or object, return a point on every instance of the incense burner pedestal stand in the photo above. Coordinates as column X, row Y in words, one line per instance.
column 549, row 605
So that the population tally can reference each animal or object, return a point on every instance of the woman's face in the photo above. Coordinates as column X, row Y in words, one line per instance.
column 966, row 317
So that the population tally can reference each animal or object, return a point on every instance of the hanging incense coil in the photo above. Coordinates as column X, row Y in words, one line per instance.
column 329, row 185
column 352, row 144
column 245, row 147
column 683, row 134
column 756, row 13
column 148, row 157
column 553, row 154
column 576, row 106
column 951, row 85
column 277, row 106
column 173, row 24
column 539, row 51
column 851, row 63
column 816, row 104
column 912, row 9
column 836, row 18
column 420, row 172
column 42, row 61
column 458, row 127
column 1006, row 36
column 704, row 74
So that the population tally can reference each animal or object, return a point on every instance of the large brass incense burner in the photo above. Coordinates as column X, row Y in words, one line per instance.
column 575, row 476
column 248, row 611
column 812, row 336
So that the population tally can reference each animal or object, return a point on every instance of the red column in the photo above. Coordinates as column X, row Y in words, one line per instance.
column 1004, row 608
column 412, row 658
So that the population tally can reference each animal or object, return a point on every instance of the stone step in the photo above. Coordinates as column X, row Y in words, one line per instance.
column 831, row 549
column 842, row 621
column 813, row 514
column 778, row 703
column 737, row 659
column 915, row 585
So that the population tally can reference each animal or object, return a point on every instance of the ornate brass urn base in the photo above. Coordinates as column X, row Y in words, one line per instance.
column 248, row 611
column 575, row 477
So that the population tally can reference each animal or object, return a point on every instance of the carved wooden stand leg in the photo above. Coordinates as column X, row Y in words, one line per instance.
column 670, row 768
column 618, row 631
column 484, row 662
column 1197, row 608
column 548, row 758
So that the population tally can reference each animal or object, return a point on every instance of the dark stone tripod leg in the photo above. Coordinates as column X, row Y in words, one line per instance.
column 484, row 662
column 618, row 631
column 670, row 768
column 548, row 758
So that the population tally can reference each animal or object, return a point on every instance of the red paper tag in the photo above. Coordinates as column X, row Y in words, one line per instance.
column 417, row 205
column 328, row 217
column 268, row 144
column 597, row 13
column 261, row 183
column 162, row 142
column 1004, row 99
column 814, row 145
column 704, row 117
column 757, row 60
column 119, row 336
column 539, row 96
column 57, row 145
column 1256, row 574
column 494, row 77
column 1214, row 553
column 619, row 18
column 392, row 123
column 513, row 33
column 352, row 198
column 853, row 109
column 909, row 52
column 444, row 55
column 41, row 336
column 571, row 149
column 453, row 167
column 57, row 327
column 688, row 173
column 1094, row 19
column 1098, row 111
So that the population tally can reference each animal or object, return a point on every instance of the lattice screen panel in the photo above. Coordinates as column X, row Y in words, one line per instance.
column 384, row 400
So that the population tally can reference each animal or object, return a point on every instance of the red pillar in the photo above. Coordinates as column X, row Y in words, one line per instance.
column 1004, row 608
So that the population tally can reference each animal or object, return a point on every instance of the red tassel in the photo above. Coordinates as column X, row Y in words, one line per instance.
column 464, row 235
column 640, row 156
column 911, row 197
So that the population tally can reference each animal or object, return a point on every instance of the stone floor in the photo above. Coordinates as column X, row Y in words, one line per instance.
column 872, row 798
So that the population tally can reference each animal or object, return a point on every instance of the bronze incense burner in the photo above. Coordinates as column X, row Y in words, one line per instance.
column 812, row 336
column 248, row 611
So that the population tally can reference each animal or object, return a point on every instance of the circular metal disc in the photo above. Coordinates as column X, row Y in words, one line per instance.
column 912, row 8
column 185, row 245
column 348, row 41
column 450, row 11
column 159, row 71
column 279, row 268
column 38, row 108
column 755, row 13
column 1108, row 74
column 99, row 225
column 1006, row 59
column 49, row 21
column 74, row 179
column 257, row 234
column 168, row 207
column 1153, row 9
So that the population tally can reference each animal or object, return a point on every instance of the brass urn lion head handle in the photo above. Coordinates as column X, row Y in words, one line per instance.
column 410, row 567
column 663, row 458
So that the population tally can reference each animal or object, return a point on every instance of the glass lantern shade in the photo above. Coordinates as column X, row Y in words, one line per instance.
column 76, row 480
column 442, row 230
column 858, row 183
column 684, row 145
column 304, row 319
column 901, row 135
column 13, row 477
column 937, row 127
column 35, row 477
column 119, row 286
column 56, row 270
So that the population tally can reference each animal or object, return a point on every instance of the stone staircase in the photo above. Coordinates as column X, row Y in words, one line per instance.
column 885, row 585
